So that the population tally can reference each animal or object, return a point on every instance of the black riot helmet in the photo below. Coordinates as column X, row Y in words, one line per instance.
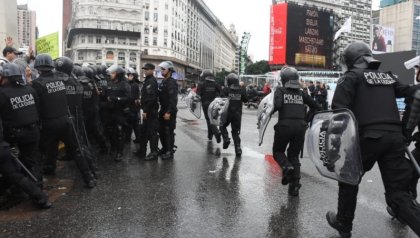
column 88, row 72
column 78, row 71
column 120, row 72
column 207, row 74
column 12, row 72
column 289, row 77
column 99, row 71
column 64, row 64
column 232, row 79
column 43, row 62
column 95, row 72
column 358, row 55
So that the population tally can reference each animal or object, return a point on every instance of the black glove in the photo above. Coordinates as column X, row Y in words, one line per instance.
column 113, row 98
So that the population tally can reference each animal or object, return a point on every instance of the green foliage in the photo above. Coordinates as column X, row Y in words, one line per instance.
column 259, row 67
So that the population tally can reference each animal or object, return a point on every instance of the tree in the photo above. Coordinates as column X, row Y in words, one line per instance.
column 259, row 67
column 220, row 77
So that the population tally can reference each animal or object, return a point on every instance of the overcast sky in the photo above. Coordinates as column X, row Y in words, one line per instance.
column 248, row 16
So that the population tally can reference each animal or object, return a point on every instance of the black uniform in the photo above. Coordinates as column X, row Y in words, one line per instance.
column 132, row 117
column 321, row 97
column 290, row 131
column 149, row 104
column 208, row 91
column 168, row 98
column 370, row 95
column 237, row 96
column 12, row 172
column 114, row 116
column 90, row 105
column 416, row 151
column 20, row 121
column 56, row 124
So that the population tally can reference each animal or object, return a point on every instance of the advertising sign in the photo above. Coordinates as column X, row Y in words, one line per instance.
column 382, row 39
column 48, row 44
column 309, row 37
column 278, row 32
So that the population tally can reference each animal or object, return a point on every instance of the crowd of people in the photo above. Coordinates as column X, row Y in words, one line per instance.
column 91, row 109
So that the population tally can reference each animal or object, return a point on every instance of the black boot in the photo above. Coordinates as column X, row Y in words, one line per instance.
column 287, row 174
column 343, row 230
column 218, row 137
column 294, row 184
column 226, row 143
column 238, row 150
column 294, row 188
column 152, row 156
column 209, row 135
column 167, row 156
column 90, row 181
column 39, row 198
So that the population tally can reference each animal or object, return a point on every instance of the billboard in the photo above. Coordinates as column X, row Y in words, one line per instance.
column 278, row 29
column 394, row 62
column 48, row 44
column 309, row 37
column 382, row 39
column 301, row 36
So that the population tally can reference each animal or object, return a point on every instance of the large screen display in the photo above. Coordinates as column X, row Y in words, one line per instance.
column 301, row 36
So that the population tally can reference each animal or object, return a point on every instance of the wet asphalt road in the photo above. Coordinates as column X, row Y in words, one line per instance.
column 204, row 192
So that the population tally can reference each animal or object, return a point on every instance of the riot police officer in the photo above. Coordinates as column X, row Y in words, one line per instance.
column 168, row 98
column 86, row 77
column 370, row 94
column 290, row 102
column 55, row 123
column 20, row 117
column 133, row 81
column 14, row 176
column 237, row 96
column 208, row 90
column 118, row 97
column 150, row 120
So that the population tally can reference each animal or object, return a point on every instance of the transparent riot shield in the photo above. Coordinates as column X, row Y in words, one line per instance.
column 333, row 145
column 265, row 109
column 218, row 110
column 194, row 104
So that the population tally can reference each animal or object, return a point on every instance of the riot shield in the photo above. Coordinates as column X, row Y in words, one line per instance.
column 265, row 109
column 194, row 104
column 218, row 110
column 333, row 145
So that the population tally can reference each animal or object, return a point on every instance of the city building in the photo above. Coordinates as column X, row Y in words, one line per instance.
column 385, row 3
column 8, row 21
column 131, row 32
column 402, row 18
column 26, row 27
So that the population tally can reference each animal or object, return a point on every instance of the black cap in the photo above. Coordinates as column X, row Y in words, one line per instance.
column 148, row 66
column 9, row 49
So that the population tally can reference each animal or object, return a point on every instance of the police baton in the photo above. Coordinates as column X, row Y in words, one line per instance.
column 14, row 153
column 413, row 160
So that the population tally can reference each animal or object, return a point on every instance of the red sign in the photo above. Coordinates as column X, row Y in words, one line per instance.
column 278, row 33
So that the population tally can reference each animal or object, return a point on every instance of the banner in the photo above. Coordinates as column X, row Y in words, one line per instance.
column 278, row 33
column 382, row 39
column 48, row 45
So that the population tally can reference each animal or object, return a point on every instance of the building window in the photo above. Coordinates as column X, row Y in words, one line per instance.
column 80, row 56
column 98, row 40
column 133, row 42
column 146, row 30
column 110, row 55
column 133, row 57
column 90, row 39
column 82, row 39
column 155, row 17
column 165, row 33
column 166, row 18
column 165, row 42
column 154, row 41
column 146, row 40
column 146, row 16
column 110, row 40
column 122, row 41
column 105, row 25
column 98, row 55
column 155, row 30
column 121, row 56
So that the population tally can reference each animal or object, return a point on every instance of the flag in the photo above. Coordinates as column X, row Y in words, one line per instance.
column 345, row 28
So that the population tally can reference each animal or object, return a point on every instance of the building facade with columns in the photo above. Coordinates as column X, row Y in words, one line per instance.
column 132, row 32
